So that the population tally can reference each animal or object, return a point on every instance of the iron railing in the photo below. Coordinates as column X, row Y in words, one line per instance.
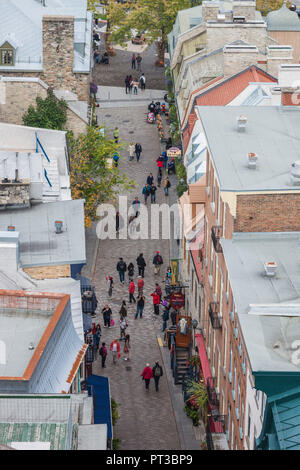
column 218, row 429
column 213, row 310
column 215, row 236
column 213, row 396
column 173, row 359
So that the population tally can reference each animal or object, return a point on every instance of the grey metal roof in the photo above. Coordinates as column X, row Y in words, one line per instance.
column 21, row 24
column 39, row 244
column 271, row 132
column 268, row 330
column 283, row 20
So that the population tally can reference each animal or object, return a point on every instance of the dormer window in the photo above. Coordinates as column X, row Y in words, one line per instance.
column 7, row 54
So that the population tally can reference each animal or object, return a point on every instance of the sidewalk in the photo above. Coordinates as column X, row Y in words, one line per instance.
column 115, row 97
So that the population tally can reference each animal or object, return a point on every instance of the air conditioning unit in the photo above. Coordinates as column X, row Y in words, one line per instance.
column 270, row 268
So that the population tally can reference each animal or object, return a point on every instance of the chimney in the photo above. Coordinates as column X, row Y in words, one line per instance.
column 58, row 226
column 270, row 268
column 9, row 250
column 289, row 82
column 241, row 123
column 252, row 159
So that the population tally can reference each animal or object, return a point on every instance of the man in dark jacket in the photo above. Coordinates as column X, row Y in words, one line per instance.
column 157, row 374
column 153, row 189
column 121, row 268
column 173, row 317
column 150, row 179
column 165, row 318
column 141, row 263
column 157, row 261
column 138, row 150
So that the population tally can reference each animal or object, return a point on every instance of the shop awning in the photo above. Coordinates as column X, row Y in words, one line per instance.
column 99, row 387
column 203, row 356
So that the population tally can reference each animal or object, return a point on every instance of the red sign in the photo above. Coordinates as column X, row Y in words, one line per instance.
column 177, row 301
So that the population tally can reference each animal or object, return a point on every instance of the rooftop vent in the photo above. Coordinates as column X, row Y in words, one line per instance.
column 58, row 226
column 241, row 123
column 295, row 173
column 11, row 228
column 270, row 268
column 239, row 19
column 221, row 18
column 31, row 346
column 252, row 159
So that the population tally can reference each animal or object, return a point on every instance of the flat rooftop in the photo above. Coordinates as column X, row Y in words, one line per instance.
column 39, row 244
column 268, row 307
column 271, row 132
column 26, row 323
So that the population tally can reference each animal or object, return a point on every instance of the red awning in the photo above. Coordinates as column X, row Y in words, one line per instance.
column 203, row 356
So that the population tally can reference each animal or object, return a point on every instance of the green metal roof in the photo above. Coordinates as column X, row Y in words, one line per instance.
column 55, row 433
column 283, row 20
column 281, row 427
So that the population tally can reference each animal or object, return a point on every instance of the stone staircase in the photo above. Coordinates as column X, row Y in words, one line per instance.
column 182, row 357
column 51, row 193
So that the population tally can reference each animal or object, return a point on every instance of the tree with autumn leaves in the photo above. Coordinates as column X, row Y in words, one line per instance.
column 93, row 177
column 265, row 6
column 154, row 17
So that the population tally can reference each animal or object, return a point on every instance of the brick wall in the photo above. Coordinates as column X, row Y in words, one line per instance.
column 290, row 98
column 267, row 213
column 49, row 272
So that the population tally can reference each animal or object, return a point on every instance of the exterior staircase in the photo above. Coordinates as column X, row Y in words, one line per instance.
column 51, row 193
column 182, row 358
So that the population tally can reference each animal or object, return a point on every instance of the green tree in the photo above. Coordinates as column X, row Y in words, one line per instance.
column 50, row 113
column 155, row 17
column 265, row 6
column 93, row 178
column 91, row 4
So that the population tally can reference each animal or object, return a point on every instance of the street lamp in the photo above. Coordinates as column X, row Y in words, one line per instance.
column 194, row 326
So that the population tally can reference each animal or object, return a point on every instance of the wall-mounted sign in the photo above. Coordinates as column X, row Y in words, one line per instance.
column 174, row 152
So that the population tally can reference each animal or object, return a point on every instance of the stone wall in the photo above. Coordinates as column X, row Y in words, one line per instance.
column 19, row 95
column 210, row 11
column 14, row 194
column 246, row 9
column 49, row 272
column 237, row 59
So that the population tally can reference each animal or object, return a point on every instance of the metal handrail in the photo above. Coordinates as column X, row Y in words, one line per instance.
column 174, row 361
column 38, row 143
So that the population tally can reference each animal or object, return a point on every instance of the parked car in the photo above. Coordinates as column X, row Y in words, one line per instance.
column 138, row 39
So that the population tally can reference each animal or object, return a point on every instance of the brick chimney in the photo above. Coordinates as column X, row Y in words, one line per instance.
column 289, row 82
column 58, row 52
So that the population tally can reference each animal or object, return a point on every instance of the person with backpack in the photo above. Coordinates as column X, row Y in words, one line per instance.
column 123, row 326
column 143, row 81
column 157, row 261
column 138, row 150
column 173, row 317
column 158, row 290
column 123, row 309
column 165, row 159
column 146, row 192
column 140, row 306
column 140, row 261
column 103, row 354
column 147, row 374
column 156, row 302
column 130, row 270
column 121, row 268
column 157, row 374
column 131, row 292
column 140, row 285
column 167, row 185
column 127, row 348
column 159, row 177
column 150, row 179
column 153, row 189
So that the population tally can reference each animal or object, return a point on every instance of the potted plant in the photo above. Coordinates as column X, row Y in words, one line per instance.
column 197, row 403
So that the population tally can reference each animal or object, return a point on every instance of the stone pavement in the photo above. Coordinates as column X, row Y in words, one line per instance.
column 115, row 97
column 146, row 418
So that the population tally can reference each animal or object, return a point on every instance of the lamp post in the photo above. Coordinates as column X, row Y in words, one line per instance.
column 194, row 326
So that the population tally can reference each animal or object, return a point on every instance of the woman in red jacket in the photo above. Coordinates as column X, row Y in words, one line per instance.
column 147, row 374
column 131, row 291
column 156, row 302
column 115, row 349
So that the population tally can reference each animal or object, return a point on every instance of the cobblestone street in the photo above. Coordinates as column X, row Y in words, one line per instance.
column 146, row 418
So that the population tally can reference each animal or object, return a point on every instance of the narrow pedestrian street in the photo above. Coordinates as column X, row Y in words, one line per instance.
column 146, row 418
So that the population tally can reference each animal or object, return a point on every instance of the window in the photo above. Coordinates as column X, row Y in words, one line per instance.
column 225, row 344
column 7, row 54
column 249, row 422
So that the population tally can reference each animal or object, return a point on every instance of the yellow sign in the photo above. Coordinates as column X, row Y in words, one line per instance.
column 174, row 152
column 174, row 267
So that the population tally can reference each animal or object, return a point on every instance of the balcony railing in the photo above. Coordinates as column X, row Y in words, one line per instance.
column 213, row 396
column 213, row 310
column 215, row 236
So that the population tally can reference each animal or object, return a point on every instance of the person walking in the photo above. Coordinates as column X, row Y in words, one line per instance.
column 127, row 84
column 106, row 312
column 138, row 150
column 117, row 221
column 116, row 134
column 165, row 159
column 116, row 158
column 123, row 309
column 167, row 185
column 127, row 348
column 139, row 62
column 150, row 179
column 131, row 150
column 135, row 85
column 121, row 268
column 159, row 177
column 140, row 261
column 103, row 354
column 156, row 302
column 157, row 373
column 115, row 349
column 146, row 192
column 140, row 285
column 157, row 261
column 165, row 318
column 158, row 290
column 147, row 374
column 130, row 84
column 140, row 306
column 143, row 82
column 133, row 61
column 98, row 335
column 153, row 189
column 173, row 317
column 109, row 285
column 131, row 292
column 123, row 326
column 130, row 270
column 136, row 205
